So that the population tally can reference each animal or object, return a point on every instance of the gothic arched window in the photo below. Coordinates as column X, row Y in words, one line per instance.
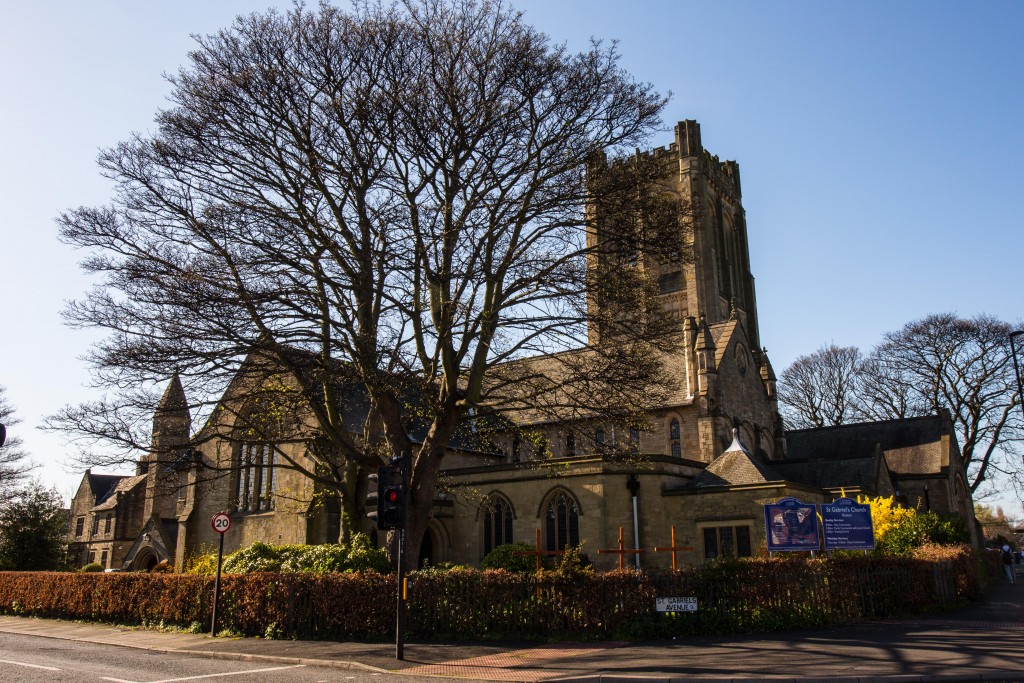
column 570, row 444
column 497, row 523
column 675, row 445
column 257, row 477
column 561, row 522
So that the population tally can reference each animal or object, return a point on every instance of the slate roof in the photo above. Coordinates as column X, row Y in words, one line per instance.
column 911, row 446
column 125, row 485
column 572, row 368
column 353, row 400
column 735, row 466
column 102, row 485
column 860, row 473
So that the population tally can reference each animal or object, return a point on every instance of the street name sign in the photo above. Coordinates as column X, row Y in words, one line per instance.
column 676, row 604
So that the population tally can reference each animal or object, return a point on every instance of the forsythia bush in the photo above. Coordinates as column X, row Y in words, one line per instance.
column 898, row 530
column 885, row 514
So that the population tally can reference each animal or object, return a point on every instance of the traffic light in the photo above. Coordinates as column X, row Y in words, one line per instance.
column 372, row 500
column 385, row 499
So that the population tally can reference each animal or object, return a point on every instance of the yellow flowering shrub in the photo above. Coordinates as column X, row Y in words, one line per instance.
column 886, row 514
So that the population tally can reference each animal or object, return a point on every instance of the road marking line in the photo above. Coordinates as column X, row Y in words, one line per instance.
column 34, row 666
column 196, row 678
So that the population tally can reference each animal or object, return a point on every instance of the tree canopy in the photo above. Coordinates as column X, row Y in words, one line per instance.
column 395, row 198
column 820, row 389
column 33, row 529
column 941, row 362
column 14, row 462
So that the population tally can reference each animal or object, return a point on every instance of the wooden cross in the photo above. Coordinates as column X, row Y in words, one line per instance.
column 622, row 551
column 537, row 552
column 674, row 549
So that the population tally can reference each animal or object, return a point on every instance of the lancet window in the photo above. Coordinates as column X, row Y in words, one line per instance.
column 257, row 477
column 497, row 523
column 562, row 522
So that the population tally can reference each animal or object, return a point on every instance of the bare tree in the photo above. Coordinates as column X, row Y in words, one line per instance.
column 14, row 462
column 942, row 362
column 820, row 390
column 391, row 202
column 962, row 365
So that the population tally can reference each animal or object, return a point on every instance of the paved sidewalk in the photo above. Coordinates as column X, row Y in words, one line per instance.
column 982, row 642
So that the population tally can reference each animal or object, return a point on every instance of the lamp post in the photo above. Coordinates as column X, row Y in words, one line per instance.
column 633, row 484
column 1016, row 366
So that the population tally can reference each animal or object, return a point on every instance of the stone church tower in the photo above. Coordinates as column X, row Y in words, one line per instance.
column 710, row 291
column 171, row 432
column 713, row 278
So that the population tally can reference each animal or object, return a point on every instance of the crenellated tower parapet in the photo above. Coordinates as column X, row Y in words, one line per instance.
column 712, row 275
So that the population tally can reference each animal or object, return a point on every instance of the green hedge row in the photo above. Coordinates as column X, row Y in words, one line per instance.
column 738, row 596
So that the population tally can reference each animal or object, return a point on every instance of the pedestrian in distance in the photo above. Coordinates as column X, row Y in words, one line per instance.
column 1008, row 564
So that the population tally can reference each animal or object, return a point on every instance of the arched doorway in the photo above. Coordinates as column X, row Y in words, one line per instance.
column 427, row 550
column 144, row 561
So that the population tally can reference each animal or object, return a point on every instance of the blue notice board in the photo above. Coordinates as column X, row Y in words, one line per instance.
column 791, row 525
column 847, row 525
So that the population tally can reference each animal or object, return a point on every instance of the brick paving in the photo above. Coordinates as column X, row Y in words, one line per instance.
column 527, row 665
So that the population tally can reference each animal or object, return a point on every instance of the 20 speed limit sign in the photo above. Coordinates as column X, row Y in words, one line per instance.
column 221, row 522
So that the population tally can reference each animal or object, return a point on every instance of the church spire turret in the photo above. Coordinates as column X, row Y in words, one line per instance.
column 768, row 375
column 704, row 349
column 171, row 427
column 171, row 419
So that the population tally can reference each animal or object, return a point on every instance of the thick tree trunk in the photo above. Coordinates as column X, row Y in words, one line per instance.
column 353, row 502
column 420, row 491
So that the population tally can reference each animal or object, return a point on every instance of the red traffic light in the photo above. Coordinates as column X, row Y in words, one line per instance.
column 388, row 498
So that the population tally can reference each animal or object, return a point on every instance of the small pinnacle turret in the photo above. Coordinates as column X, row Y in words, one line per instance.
column 736, row 444
column 705, row 341
column 173, row 400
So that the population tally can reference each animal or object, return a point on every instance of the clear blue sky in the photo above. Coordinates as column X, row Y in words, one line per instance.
column 879, row 144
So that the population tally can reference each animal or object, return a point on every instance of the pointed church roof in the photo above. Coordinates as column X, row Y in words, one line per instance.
column 705, row 340
column 723, row 332
column 173, row 400
column 767, row 372
column 736, row 465
column 125, row 485
column 101, row 485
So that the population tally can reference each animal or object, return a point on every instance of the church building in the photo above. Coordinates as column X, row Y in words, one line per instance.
column 711, row 453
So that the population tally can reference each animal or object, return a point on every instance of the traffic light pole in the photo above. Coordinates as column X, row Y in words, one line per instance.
column 400, row 608
column 388, row 511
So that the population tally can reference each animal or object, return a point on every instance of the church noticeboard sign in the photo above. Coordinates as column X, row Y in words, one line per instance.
column 791, row 525
column 847, row 525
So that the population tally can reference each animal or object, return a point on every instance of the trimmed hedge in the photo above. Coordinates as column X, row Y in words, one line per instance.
column 347, row 606
column 464, row 604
